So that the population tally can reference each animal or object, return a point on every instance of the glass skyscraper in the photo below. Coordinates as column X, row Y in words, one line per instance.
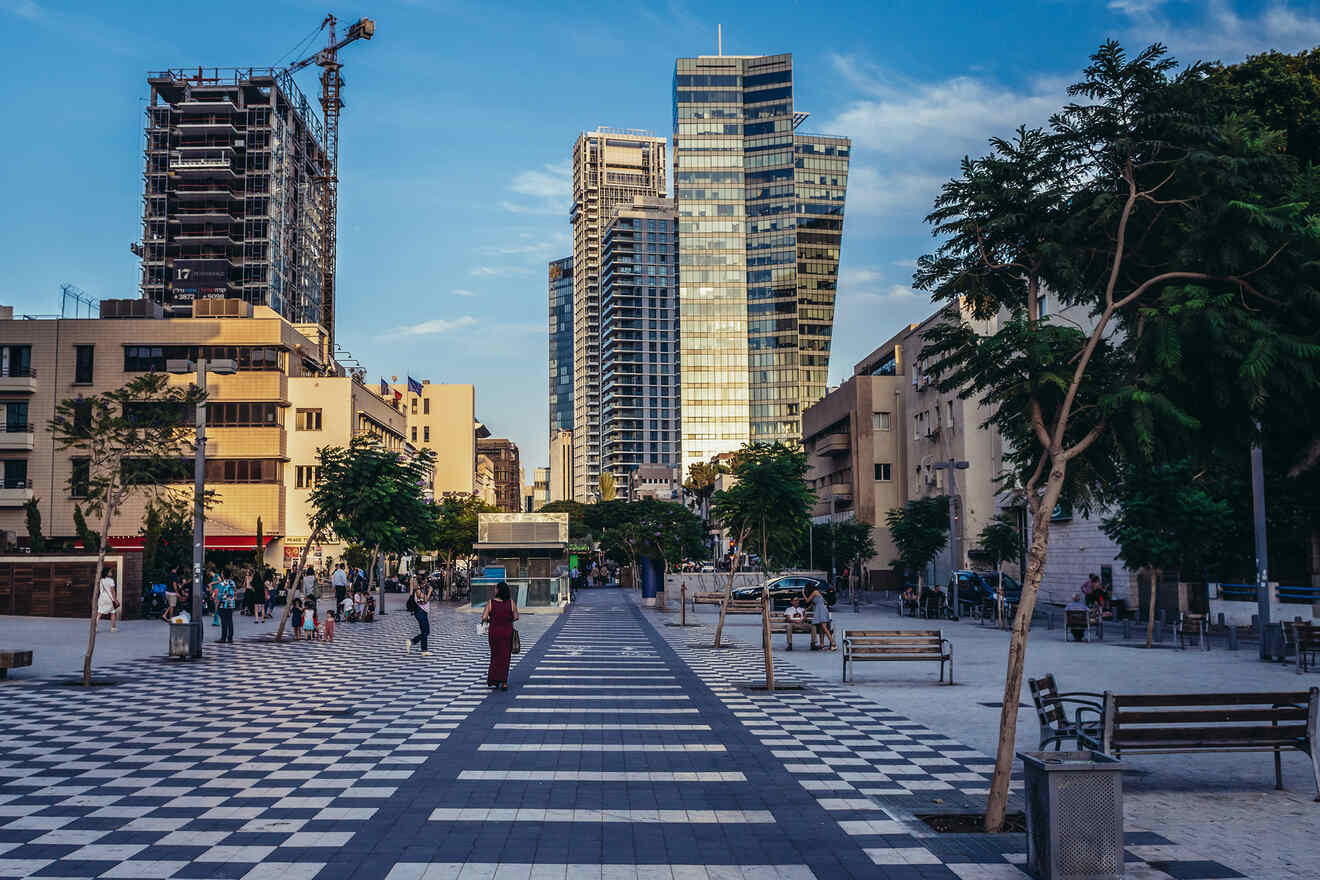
column 561, row 345
column 760, row 211
column 639, row 339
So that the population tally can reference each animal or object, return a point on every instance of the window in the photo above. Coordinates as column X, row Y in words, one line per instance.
column 15, row 473
column 426, row 433
column 309, row 420
column 414, row 406
column 16, row 418
column 426, row 406
column 949, row 412
column 242, row 470
column 152, row 358
column 83, row 363
column 15, row 360
column 306, row 476
column 82, row 477
column 883, row 472
column 880, row 421
column 414, row 433
column 257, row 414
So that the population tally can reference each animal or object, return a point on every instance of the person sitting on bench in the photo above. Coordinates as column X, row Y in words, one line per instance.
column 910, row 601
column 795, row 612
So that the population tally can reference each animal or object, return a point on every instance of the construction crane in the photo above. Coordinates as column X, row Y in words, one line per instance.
column 332, row 83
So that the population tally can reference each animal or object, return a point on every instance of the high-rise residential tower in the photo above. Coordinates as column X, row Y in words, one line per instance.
column 760, row 210
column 232, row 199
column 639, row 340
column 561, row 345
column 610, row 167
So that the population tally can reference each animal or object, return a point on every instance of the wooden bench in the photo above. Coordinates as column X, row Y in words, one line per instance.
column 743, row 606
column 12, row 660
column 1052, row 710
column 779, row 623
column 1164, row 724
column 897, row 645
column 1194, row 627
column 1304, row 638
column 707, row 599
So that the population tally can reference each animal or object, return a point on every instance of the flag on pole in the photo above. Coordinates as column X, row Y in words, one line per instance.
column 414, row 386
column 384, row 388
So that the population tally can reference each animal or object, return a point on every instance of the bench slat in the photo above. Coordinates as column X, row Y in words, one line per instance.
column 1221, row 716
column 1282, row 733
column 1267, row 699
column 891, row 633
column 906, row 649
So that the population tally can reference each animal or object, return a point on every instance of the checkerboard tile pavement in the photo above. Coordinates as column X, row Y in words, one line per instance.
column 258, row 758
column 875, row 769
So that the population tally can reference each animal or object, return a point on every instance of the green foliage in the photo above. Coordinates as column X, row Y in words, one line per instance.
column 1166, row 519
column 647, row 529
column 1001, row 539
column 32, row 516
column 456, row 526
column 577, row 525
column 1283, row 91
column 90, row 537
column 769, row 499
column 166, row 536
column 700, row 483
column 919, row 530
column 854, row 543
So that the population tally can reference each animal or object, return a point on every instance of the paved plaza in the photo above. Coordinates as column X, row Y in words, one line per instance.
column 625, row 748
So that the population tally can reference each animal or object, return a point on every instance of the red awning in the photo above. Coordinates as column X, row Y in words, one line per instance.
column 213, row 542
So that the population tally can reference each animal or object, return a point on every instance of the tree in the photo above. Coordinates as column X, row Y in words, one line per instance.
column 1139, row 198
column 167, row 535
column 32, row 514
column 577, row 525
column 1165, row 520
column 370, row 495
column 607, row 492
column 130, row 438
column 1001, row 540
column 456, row 530
column 853, row 544
column 920, row 530
column 769, row 497
column 700, row 483
column 86, row 534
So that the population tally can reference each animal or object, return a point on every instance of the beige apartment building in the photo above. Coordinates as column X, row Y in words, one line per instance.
column 441, row 419
column 255, row 449
column 561, row 466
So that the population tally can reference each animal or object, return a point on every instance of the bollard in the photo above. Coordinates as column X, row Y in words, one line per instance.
column 1127, row 632
column 1221, row 619
column 1161, row 617
column 1232, row 638
column 682, row 603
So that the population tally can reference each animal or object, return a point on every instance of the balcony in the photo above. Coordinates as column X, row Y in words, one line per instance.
column 19, row 379
column 838, row 492
column 832, row 444
column 16, row 437
column 15, row 493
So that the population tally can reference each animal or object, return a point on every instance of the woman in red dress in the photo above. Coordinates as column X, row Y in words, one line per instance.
column 500, row 613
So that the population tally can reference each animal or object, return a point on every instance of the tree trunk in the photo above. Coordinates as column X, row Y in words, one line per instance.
column 1150, row 610
column 297, row 579
column 728, row 588
column 96, row 590
column 1017, row 651
column 765, row 643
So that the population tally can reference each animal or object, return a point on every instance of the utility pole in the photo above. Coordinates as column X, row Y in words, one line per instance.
column 953, row 466
column 1262, row 552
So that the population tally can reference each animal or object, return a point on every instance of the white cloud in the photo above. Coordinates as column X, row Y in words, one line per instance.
column 545, row 190
column 25, row 9
column 1220, row 33
column 461, row 292
column 901, row 193
column 498, row 271
column 434, row 327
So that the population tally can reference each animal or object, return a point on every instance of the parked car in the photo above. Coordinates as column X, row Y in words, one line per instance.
column 783, row 589
column 976, row 586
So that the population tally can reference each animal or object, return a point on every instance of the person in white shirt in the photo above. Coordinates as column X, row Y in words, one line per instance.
column 340, row 581
column 107, row 600
column 796, row 612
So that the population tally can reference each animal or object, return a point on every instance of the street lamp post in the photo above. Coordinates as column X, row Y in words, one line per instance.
column 953, row 466
column 220, row 366
column 1262, row 552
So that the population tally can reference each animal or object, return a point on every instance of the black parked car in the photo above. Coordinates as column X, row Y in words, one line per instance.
column 974, row 587
column 783, row 589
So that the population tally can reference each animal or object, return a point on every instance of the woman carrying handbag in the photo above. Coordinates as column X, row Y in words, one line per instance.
column 499, row 615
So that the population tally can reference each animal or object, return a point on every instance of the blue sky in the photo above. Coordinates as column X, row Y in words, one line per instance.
column 461, row 116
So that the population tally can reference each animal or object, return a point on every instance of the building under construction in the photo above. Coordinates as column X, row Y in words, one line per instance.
column 233, row 203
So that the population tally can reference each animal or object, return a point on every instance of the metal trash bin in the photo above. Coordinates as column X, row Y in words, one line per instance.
column 1074, row 815
column 185, row 640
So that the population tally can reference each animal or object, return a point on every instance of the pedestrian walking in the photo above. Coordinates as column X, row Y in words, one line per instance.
column 213, row 593
column 226, row 596
column 309, row 582
column 419, row 603
column 249, row 597
column 107, row 600
column 820, row 622
column 340, row 581
column 500, row 613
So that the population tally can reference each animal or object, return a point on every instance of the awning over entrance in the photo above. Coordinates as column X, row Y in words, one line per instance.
column 213, row 542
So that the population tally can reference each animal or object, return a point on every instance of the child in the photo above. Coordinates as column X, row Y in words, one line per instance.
column 309, row 623
column 329, row 627
column 297, row 618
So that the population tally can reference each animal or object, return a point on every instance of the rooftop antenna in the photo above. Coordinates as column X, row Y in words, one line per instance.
column 719, row 39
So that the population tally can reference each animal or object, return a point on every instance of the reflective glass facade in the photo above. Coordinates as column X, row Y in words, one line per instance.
column 610, row 168
column 758, row 251
column 561, row 345
column 639, row 339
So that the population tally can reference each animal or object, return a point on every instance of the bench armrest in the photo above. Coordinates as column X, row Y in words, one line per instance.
column 1085, row 726
column 1091, row 694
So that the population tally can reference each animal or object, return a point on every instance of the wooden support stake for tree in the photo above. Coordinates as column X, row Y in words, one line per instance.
column 719, row 627
column 682, row 604
column 765, row 642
